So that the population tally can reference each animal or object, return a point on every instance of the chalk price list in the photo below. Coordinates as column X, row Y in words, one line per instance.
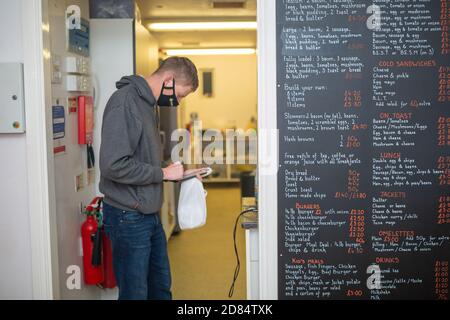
column 364, row 119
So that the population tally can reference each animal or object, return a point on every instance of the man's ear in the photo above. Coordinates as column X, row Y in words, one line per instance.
column 169, row 83
column 168, row 80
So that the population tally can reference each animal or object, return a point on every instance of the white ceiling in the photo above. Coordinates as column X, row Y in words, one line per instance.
column 198, row 10
column 188, row 9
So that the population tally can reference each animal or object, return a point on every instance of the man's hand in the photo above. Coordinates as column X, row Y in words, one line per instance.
column 173, row 172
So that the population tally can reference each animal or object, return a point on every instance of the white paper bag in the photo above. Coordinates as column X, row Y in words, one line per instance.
column 192, row 204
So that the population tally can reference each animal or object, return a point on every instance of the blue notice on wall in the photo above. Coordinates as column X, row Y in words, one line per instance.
column 59, row 122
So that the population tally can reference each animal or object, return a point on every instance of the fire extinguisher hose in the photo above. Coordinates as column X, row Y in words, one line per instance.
column 97, row 249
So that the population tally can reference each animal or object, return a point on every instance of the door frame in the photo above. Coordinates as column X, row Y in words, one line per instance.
column 41, row 189
column 40, row 173
column 267, row 151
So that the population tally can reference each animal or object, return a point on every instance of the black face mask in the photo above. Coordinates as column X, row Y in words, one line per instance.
column 167, row 100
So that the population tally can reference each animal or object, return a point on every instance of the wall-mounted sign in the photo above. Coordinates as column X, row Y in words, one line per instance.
column 59, row 129
column 364, row 145
column 59, row 122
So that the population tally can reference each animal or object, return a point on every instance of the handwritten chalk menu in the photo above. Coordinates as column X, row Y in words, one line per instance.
column 363, row 98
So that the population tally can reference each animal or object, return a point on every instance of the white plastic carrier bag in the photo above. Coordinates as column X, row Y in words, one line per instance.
column 192, row 204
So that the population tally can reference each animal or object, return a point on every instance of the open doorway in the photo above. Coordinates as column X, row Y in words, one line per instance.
column 220, row 118
column 116, row 40
column 203, row 261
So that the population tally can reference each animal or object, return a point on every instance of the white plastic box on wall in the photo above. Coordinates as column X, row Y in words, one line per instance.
column 78, row 83
column 77, row 65
column 12, row 107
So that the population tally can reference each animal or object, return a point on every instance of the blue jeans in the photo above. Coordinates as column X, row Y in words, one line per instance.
column 139, row 250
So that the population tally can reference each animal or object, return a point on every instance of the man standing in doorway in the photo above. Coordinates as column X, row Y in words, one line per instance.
column 132, row 176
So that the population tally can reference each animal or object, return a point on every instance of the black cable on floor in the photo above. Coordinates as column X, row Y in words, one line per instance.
column 238, row 262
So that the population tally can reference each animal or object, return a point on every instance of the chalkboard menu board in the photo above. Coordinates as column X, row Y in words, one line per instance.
column 363, row 104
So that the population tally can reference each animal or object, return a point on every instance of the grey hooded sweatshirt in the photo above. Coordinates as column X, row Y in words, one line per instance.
column 130, row 152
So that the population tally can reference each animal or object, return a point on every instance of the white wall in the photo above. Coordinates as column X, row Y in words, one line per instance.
column 15, row 249
column 234, row 99
column 268, row 151
column 146, row 47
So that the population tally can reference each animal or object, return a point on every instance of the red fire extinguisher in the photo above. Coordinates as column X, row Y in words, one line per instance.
column 91, row 237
